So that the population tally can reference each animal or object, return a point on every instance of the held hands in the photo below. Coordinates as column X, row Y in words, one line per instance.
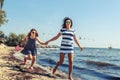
column 81, row 48
column 46, row 43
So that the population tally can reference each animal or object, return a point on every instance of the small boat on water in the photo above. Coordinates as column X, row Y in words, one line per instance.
column 110, row 47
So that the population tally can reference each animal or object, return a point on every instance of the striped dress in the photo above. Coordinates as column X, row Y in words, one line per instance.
column 67, row 41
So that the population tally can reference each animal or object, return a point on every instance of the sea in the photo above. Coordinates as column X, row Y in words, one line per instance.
column 89, row 64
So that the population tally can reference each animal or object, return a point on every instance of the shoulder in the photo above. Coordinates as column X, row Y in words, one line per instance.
column 72, row 30
column 36, row 37
column 63, row 29
column 26, row 38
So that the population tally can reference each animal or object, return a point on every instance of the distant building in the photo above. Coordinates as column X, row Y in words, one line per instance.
column 46, row 46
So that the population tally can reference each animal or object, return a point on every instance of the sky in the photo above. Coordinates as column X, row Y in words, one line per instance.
column 96, row 22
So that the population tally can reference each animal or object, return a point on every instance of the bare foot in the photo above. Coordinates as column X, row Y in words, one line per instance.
column 25, row 60
column 31, row 68
column 70, row 78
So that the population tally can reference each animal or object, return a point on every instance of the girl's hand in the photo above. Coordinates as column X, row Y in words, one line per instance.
column 81, row 48
column 20, row 45
column 17, row 48
column 46, row 43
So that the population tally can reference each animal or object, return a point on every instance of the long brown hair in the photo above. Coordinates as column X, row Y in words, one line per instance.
column 64, row 22
column 31, row 31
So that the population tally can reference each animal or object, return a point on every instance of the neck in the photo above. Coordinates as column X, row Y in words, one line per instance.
column 68, row 28
column 32, row 36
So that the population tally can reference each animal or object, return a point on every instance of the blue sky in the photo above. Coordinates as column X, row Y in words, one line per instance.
column 96, row 21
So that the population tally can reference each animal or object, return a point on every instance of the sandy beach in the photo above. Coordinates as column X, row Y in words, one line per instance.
column 11, row 70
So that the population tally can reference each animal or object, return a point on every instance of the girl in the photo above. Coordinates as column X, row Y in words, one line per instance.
column 30, row 47
column 66, row 44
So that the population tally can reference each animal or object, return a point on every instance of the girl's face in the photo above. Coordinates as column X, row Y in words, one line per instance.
column 68, row 23
column 33, row 33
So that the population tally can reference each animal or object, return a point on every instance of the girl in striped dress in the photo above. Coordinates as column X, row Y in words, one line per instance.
column 68, row 36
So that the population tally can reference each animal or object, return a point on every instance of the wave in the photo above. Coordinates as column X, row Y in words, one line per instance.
column 99, row 63
column 114, row 60
column 95, row 73
column 51, row 61
column 84, row 70
column 86, row 56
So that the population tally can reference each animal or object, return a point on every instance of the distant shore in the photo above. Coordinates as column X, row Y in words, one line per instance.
column 47, row 46
column 10, row 69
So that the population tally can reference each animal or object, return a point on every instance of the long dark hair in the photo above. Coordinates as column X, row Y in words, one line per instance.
column 64, row 22
column 31, row 31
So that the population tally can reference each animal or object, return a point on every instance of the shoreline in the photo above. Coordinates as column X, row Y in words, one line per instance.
column 10, row 69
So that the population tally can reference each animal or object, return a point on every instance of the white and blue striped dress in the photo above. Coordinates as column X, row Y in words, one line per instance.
column 67, row 41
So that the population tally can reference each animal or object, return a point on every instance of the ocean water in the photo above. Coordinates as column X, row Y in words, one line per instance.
column 89, row 64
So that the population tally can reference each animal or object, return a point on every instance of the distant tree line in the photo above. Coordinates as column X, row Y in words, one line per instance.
column 12, row 39
column 1, row 3
column 3, row 18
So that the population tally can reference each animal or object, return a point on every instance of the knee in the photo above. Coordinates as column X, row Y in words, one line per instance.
column 60, row 62
column 31, row 58
column 71, row 61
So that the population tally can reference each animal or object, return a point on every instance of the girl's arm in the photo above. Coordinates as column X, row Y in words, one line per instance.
column 76, row 41
column 24, row 40
column 54, row 38
column 42, row 43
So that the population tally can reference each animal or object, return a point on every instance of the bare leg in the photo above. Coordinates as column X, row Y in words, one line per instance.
column 59, row 62
column 33, row 61
column 29, row 57
column 70, row 58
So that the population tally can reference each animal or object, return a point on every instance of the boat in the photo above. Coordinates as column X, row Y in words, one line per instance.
column 110, row 47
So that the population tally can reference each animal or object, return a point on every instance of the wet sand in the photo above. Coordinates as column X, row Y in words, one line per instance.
column 11, row 70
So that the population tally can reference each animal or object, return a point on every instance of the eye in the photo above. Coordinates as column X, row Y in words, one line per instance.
column 33, row 32
column 68, row 22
